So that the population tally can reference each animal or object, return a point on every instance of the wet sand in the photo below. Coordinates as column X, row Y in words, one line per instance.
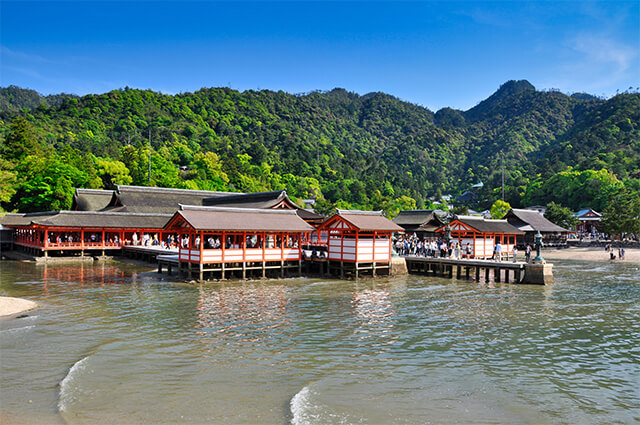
column 10, row 306
column 632, row 255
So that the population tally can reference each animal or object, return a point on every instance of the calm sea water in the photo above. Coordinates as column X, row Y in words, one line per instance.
column 112, row 343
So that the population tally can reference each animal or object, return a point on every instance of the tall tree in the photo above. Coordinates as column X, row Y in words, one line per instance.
column 499, row 209
column 562, row 216
column 623, row 213
column 20, row 141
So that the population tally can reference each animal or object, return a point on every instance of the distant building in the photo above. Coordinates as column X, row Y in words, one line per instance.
column 531, row 222
column 589, row 220
column 466, row 197
column 540, row 208
column 421, row 222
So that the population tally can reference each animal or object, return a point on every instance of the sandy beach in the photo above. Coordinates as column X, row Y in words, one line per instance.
column 10, row 306
column 632, row 255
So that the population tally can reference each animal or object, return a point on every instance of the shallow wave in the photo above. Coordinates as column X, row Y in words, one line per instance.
column 300, row 406
column 68, row 386
column 308, row 409
column 16, row 330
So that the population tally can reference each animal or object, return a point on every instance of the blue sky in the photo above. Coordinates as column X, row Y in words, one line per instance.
column 436, row 54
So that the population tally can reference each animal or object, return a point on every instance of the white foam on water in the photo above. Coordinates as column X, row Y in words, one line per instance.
column 300, row 406
column 15, row 330
column 306, row 411
column 68, row 386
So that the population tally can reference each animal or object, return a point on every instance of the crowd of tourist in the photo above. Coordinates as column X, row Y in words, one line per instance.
column 413, row 245
column 439, row 248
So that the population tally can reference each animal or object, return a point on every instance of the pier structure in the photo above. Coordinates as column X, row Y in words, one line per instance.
column 359, row 242
column 481, row 270
column 220, row 242
column 481, row 235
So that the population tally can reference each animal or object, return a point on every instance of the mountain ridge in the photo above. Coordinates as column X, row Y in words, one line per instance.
column 356, row 149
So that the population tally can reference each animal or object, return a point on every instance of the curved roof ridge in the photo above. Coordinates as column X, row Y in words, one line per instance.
column 94, row 191
column 102, row 213
column 147, row 189
column 184, row 207
column 359, row 212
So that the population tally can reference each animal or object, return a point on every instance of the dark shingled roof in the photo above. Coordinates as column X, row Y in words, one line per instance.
column 141, row 199
column 91, row 199
column 13, row 219
column 369, row 220
column 309, row 215
column 484, row 225
column 241, row 219
column 94, row 219
column 251, row 200
column 531, row 220
column 417, row 220
column 261, row 200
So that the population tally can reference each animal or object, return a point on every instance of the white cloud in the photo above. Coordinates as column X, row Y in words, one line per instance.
column 601, row 60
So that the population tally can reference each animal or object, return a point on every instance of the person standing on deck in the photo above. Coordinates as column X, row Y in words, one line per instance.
column 498, row 251
column 527, row 254
column 515, row 253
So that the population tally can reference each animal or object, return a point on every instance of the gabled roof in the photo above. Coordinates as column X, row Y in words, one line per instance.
column 416, row 220
column 370, row 221
column 310, row 216
column 142, row 199
column 531, row 220
column 238, row 219
column 275, row 199
column 588, row 212
column 95, row 219
column 484, row 225
column 91, row 199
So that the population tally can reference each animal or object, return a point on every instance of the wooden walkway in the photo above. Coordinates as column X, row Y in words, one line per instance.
column 146, row 253
column 467, row 269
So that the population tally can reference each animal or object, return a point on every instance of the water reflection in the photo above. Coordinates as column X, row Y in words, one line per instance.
column 245, row 315
column 373, row 314
column 377, row 351
column 102, row 273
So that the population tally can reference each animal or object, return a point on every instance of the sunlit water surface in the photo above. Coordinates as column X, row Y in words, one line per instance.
column 113, row 343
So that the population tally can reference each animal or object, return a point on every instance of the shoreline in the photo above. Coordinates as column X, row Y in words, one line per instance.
column 598, row 254
column 10, row 306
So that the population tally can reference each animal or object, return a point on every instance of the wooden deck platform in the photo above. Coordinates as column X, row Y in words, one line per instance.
column 146, row 253
column 222, row 271
column 506, row 271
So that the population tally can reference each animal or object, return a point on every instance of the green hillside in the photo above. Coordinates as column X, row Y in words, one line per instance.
column 371, row 151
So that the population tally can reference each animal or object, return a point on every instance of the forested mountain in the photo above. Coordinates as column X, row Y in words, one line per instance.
column 14, row 98
column 371, row 151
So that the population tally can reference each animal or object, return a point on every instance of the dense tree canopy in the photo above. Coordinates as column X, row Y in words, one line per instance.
column 372, row 151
